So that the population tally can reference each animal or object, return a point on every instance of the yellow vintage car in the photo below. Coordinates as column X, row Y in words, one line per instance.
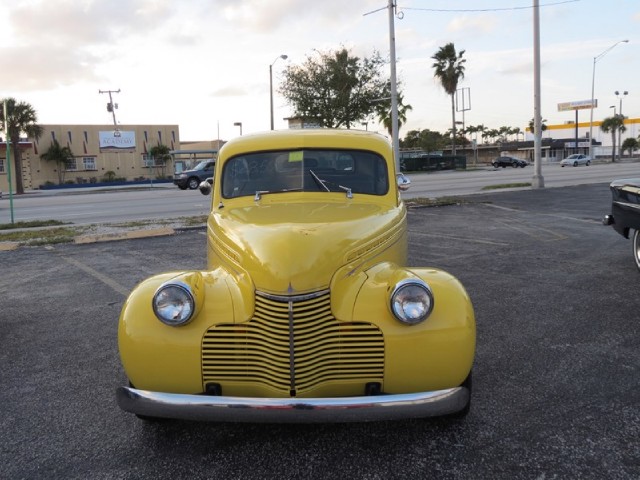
column 307, row 311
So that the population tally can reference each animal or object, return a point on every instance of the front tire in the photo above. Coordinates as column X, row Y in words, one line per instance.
column 575, row 164
column 636, row 247
column 588, row 163
column 193, row 183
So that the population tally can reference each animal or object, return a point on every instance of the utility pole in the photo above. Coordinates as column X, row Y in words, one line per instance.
column 111, row 107
column 8, row 139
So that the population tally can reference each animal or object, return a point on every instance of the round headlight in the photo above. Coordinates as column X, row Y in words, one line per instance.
column 173, row 304
column 411, row 301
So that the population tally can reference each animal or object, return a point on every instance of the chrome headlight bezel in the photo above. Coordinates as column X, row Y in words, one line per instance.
column 182, row 299
column 411, row 301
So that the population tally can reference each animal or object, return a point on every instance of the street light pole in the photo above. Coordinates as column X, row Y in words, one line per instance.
column 538, row 180
column 238, row 124
column 593, row 83
column 284, row 57
column 395, row 141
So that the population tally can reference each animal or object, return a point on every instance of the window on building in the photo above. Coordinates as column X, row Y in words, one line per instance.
column 72, row 165
column 2, row 165
column 89, row 163
column 148, row 161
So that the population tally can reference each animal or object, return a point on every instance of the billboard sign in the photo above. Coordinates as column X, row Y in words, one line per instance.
column 117, row 140
column 578, row 105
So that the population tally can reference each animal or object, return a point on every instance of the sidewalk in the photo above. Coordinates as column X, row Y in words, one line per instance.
column 89, row 188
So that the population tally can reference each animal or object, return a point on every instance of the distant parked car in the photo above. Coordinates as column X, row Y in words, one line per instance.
column 192, row 178
column 575, row 160
column 625, row 212
column 508, row 162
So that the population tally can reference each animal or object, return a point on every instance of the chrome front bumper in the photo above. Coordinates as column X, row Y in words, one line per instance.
column 293, row 410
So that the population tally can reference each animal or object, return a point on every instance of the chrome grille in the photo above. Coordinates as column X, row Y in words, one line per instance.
column 293, row 344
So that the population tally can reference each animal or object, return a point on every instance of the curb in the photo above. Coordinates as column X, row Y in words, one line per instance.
column 7, row 246
column 154, row 232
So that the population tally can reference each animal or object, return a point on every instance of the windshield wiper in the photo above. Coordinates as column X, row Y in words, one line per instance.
column 323, row 184
column 259, row 193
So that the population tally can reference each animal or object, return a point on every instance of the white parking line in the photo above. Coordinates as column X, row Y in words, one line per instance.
column 99, row 276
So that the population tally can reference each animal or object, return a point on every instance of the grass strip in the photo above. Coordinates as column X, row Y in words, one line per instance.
column 506, row 185
column 434, row 202
column 31, row 224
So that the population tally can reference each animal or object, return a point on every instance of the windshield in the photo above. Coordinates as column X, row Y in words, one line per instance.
column 349, row 171
column 202, row 165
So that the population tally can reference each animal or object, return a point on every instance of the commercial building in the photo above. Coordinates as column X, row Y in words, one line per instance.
column 100, row 153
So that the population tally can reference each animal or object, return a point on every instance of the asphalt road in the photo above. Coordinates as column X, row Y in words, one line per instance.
column 555, row 379
column 162, row 201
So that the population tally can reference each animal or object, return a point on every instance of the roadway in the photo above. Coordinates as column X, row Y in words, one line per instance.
column 92, row 205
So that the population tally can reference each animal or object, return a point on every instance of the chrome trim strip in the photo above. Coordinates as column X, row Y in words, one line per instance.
column 633, row 206
column 292, row 410
column 293, row 298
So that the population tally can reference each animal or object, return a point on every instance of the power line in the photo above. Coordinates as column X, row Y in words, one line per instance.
column 501, row 9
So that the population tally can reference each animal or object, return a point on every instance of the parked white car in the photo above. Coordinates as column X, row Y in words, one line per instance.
column 575, row 160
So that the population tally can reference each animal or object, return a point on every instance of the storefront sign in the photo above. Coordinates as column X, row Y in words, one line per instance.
column 579, row 105
column 117, row 140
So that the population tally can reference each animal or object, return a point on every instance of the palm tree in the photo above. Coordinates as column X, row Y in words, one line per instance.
column 516, row 131
column 449, row 69
column 160, row 154
column 21, row 118
column 383, row 109
column 62, row 156
column 631, row 145
column 613, row 125
column 543, row 125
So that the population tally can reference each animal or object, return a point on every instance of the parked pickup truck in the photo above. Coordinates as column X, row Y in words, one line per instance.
column 192, row 178
column 625, row 212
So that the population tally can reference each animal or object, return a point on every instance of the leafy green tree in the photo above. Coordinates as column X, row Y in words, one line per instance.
column 61, row 156
column 460, row 138
column 160, row 154
column 613, row 125
column 383, row 109
column 449, row 69
column 335, row 89
column 426, row 140
column 22, row 118
column 630, row 145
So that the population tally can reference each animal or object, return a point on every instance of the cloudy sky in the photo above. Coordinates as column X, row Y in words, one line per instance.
column 204, row 64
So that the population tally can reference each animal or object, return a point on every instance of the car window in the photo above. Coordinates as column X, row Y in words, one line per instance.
column 305, row 170
column 201, row 165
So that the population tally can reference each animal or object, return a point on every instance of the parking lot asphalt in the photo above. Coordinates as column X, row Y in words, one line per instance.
column 555, row 378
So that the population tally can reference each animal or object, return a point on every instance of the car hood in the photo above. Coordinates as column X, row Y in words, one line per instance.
column 295, row 248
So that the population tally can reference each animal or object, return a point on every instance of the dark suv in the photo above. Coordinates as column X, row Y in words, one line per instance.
column 192, row 178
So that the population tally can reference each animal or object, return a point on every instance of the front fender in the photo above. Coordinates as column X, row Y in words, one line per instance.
column 435, row 354
column 159, row 357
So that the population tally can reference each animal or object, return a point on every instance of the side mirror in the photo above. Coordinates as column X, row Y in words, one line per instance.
column 206, row 186
column 403, row 182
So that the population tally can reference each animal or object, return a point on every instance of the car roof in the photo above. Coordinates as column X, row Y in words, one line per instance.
column 307, row 138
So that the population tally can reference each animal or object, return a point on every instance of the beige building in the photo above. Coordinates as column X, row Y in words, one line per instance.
column 100, row 154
